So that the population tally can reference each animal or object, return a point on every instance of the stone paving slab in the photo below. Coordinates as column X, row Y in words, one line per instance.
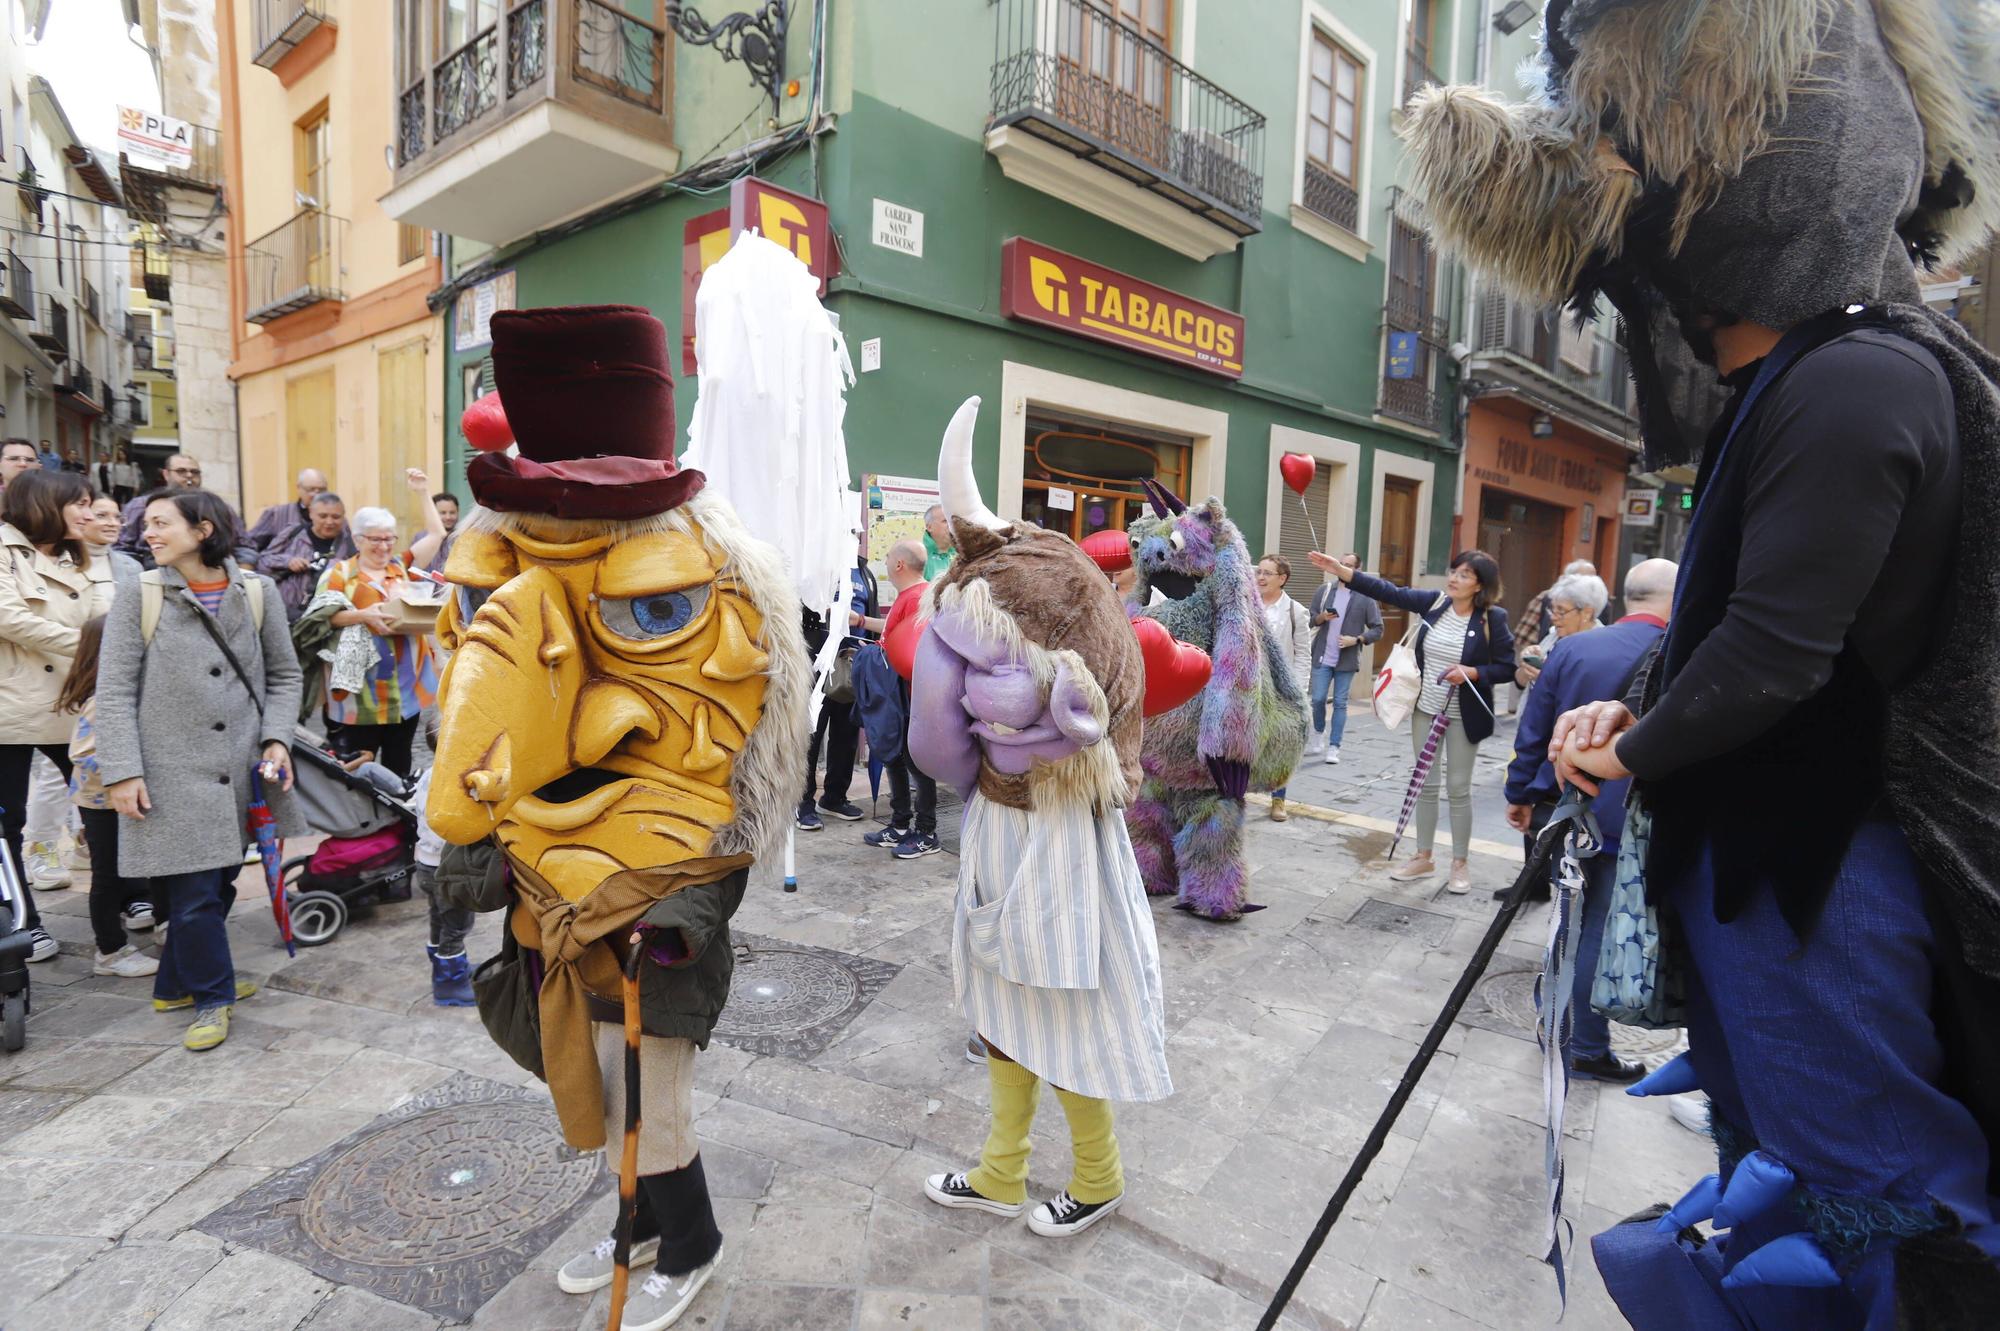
column 1287, row 1033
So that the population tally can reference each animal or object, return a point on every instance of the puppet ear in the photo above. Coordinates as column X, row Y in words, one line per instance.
column 973, row 540
column 1211, row 510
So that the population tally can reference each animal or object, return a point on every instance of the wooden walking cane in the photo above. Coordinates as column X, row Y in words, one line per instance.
column 628, row 1159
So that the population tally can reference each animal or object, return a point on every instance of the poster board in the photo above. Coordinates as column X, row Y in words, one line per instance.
column 892, row 510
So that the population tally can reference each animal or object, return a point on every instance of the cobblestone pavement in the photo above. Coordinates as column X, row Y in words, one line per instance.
column 356, row 1158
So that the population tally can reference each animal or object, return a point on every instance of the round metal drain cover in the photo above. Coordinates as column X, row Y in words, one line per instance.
column 780, row 992
column 446, row 1185
column 1510, row 996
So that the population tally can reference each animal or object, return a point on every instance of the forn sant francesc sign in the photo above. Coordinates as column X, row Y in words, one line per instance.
column 1040, row 285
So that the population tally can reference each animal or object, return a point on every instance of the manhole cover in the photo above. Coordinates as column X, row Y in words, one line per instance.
column 436, row 1205
column 791, row 999
column 1510, row 996
column 1393, row 917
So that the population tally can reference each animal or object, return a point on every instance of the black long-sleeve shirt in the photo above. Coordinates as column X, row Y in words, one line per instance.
column 1849, row 513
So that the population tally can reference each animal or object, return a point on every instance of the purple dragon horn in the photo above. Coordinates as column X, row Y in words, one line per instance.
column 1164, row 496
column 1156, row 498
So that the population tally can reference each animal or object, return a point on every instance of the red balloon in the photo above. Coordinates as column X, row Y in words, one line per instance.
column 485, row 425
column 900, row 644
column 1175, row 671
column 1109, row 550
column 1297, row 470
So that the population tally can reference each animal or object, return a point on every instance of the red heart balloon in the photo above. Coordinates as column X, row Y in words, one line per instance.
column 485, row 425
column 1175, row 671
column 1109, row 550
column 1297, row 470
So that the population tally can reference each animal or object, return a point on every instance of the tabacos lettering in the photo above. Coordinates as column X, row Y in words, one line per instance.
column 1045, row 286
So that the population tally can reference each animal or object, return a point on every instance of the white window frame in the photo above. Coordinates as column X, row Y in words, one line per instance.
column 1424, row 473
column 1336, row 525
column 1354, row 244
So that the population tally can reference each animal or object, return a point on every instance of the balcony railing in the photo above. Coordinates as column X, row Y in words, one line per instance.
column 17, row 287
column 52, row 335
column 90, row 307
column 78, row 382
column 295, row 266
column 280, row 25
column 137, row 409
column 1069, row 73
column 145, row 181
column 607, row 50
column 1332, row 198
column 1412, row 401
column 158, row 270
column 1586, row 363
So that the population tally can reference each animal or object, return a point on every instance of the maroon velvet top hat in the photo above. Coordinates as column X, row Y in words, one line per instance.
column 590, row 400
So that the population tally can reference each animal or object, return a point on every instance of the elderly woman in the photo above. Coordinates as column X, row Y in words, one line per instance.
column 402, row 680
column 50, row 588
column 196, row 683
column 1574, row 603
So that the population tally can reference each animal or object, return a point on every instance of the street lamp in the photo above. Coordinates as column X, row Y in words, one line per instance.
column 1514, row 17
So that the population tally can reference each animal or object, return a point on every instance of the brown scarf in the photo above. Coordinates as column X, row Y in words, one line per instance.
column 581, row 945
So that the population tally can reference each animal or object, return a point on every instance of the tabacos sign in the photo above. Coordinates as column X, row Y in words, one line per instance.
column 1044, row 286
column 798, row 223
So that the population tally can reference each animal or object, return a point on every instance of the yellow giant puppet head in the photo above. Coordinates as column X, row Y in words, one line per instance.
column 627, row 680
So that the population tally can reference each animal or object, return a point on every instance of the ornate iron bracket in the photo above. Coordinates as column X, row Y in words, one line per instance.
column 757, row 39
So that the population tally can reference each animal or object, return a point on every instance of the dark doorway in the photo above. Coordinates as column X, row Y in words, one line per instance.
column 1525, row 538
column 1399, row 553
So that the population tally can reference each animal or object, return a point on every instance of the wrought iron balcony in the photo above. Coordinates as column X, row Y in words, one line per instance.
column 1537, row 353
column 52, row 333
column 158, row 263
column 1417, row 75
column 17, row 287
column 90, row 306
column 1100, row 89
column 77, row 382
column 146, row 184
column 280, row 25
column 1332, row 198
column 136, row 409
column 585, row 88
column 1411, row 401
column 295, row 266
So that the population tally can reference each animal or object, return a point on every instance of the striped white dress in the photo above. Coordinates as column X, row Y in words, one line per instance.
column 1053, row 952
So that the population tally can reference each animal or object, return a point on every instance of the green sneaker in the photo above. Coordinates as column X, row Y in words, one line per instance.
column 244, row 988
column 211, row 1028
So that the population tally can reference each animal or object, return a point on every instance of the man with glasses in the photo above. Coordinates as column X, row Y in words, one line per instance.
column 17, row 456
column 181, row 472
column 279, row 521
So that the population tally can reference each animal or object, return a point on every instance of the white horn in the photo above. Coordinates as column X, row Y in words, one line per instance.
column 957, row 490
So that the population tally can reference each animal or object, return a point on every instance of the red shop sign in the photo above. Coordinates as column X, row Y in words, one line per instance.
column 1044, row 286
column 798, row 223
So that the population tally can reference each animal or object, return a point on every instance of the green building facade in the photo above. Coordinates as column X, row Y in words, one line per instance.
column 1239, row 154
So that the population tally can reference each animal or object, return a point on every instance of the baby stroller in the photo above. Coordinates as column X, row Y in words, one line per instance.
column 370, row 846
column 15, row 944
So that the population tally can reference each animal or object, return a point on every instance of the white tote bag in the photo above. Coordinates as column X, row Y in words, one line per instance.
column 1399, row 681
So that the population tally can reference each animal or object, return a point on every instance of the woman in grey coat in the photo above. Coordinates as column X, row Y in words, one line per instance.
column 176, row 742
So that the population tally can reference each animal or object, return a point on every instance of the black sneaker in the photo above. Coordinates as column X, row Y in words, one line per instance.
column 847, row 811
column 1063, row 1215
column 888, row 836
column 917, row 845
column 41, row 944
column 952, row 1190
column 137, row 917
column 806, row 820
column 1609, row 1067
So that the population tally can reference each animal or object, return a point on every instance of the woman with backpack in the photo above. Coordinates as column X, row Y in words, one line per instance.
column 196, row 683
column 1463, row 641
column 50, row 588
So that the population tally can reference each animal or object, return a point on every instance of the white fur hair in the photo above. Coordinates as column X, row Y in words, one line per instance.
column 764, row 779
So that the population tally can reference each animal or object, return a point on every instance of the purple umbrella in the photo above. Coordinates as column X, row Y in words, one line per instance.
column 1421, row 773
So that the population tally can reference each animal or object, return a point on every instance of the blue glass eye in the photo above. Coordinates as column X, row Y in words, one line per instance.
column 469, row 601
column 656, row 615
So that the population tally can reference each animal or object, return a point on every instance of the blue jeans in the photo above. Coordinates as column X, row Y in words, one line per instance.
column 1340, row 681
column 1590, row 1030
column 196, row 960
column 1825, row 1054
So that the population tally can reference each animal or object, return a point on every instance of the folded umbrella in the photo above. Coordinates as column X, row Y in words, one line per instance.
column 1426, row 759
column 263, row 829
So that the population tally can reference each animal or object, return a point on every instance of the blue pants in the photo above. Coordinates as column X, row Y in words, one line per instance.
column 1340, row 681
column 1825, row 1055
column 1590, row 1030
column 196, row 960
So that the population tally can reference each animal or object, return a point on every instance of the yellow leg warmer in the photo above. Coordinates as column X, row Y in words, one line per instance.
column 1003, row 1166
column 1098, row 1175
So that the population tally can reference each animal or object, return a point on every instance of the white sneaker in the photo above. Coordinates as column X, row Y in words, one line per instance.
column 1333, row 755
column 1315, row 743
column 45, row 867
column 593, row 1270
column 659, row 1303
column 127, row 963
column 1690, row 1111
column 76, row 853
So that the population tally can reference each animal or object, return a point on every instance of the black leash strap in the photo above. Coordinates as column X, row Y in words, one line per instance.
column 1482, row 956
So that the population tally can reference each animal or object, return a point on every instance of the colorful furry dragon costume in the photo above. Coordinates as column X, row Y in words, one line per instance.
column 1751, row 183
column 1246, row 731
column 1027, row 694
column 622, row 715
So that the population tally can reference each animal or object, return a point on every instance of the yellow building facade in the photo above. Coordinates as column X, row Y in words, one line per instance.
column 338, row 363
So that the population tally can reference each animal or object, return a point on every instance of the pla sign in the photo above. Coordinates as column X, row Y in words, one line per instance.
column 151, row 137
column 798, row 223
column 1044, row 286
